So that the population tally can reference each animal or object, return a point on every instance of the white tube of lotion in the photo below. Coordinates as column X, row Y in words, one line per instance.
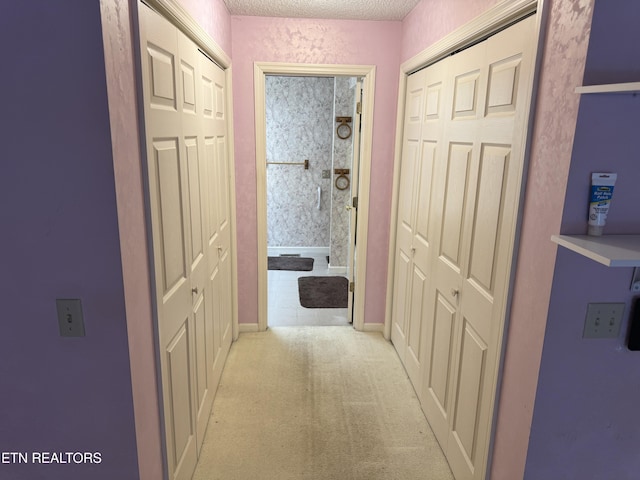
column 601, row 192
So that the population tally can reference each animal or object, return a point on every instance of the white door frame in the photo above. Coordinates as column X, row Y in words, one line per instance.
column 260, row 71
column 493, row 20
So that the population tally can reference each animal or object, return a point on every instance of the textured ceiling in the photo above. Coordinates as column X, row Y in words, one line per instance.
column 345, row 9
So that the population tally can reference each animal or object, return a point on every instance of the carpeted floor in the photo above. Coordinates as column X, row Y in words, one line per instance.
column 317, row 403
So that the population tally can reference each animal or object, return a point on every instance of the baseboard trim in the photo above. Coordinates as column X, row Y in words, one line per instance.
column 338, row 270
column 373, row 327
column 248, row 327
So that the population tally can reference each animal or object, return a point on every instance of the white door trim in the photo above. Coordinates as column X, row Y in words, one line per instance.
column 261, row 70
column 176, row 14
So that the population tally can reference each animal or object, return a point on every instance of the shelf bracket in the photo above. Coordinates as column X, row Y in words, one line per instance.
column 635, row 281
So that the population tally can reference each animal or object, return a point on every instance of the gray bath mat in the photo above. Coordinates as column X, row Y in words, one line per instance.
column 299, row 264
column 323, row 292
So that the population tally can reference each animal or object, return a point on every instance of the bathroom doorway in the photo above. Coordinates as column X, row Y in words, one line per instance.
column 310, row 140
column 359, row 176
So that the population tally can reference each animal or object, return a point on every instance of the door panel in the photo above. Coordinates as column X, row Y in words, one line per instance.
column 407, row 214
column 455, row 199
column 469, row 395
column 168, row 196
column 185, row 137
column 171, row 230
column 178, row 381
column 456, row 234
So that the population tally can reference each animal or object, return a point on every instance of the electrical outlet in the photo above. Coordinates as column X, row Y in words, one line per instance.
column 603, row 320
column 70, row 318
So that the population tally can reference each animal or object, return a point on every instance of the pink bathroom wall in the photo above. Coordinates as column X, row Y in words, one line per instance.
column 554, row 125
column 431, row 20
column 258, row 39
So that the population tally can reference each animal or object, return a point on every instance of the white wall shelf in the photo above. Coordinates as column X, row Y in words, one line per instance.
column 633, row 87
column 609, row 250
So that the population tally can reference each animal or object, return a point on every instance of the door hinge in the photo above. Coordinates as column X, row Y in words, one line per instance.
column 352, row 286
column 355, row 202
column 359, row 108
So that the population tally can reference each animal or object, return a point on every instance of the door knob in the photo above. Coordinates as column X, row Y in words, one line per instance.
column 454, row 292
column 348, row 207
column 194, row 290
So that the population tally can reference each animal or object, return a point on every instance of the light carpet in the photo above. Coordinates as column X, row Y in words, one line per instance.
column 317, row 403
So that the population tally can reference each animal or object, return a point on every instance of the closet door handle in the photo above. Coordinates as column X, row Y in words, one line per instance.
column 194, row 290
column 454, row 292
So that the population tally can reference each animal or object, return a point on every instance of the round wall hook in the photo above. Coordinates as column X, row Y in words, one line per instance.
column 344, row 129
column 342, row 182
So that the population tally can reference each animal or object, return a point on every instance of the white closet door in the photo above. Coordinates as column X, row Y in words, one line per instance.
column 218, row 238
column 480, row 174
column 470, row 166
column 170, row 155
column 415, row 222
column 188, row 168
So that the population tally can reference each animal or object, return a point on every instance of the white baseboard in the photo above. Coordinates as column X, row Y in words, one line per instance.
column 373, row 327
column 248, row 327
column 275, row 251
column 338, row 270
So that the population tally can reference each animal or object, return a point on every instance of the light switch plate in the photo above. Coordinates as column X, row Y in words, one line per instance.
column 603, row 320
column 70, row 318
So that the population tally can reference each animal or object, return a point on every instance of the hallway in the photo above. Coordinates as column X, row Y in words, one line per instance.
column 317, row 403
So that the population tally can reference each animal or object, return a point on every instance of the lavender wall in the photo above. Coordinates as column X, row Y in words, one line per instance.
column 585, row 423
column 565, row 43
column 60, row 240
column 315, row 41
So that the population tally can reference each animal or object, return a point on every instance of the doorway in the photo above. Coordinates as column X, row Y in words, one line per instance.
column 358, row 176
column 312, row 127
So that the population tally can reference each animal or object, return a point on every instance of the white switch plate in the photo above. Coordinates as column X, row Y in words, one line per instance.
column 603, row 320
column 70, row 318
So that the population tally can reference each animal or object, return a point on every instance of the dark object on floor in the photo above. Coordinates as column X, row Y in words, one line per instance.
column 298, row 264
column 323, row 292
